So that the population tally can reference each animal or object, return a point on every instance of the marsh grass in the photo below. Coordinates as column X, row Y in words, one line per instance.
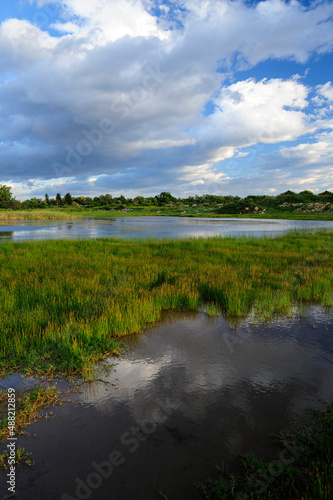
column 55, row 214
column 303, row 470
column 65, row 304
column 29, row 406
column 22, row 457
column 72, row 212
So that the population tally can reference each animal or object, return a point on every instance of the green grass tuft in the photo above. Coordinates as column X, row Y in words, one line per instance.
column 65, row 304
column 303, row 470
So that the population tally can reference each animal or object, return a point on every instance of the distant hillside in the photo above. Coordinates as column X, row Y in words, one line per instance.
column 289, row 202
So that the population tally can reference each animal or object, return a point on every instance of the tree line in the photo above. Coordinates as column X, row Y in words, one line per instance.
column 228, row 203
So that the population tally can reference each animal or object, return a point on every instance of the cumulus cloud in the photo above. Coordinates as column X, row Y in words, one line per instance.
column 309, row 165
column 323, row 101
column 305, row 158
column 107, row 21
column 313, row 153
column 119, row 95
column 249, row 112
column 326, row 91
column 23, row 44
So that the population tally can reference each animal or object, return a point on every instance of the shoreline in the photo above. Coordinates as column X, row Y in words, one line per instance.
column 70, row 214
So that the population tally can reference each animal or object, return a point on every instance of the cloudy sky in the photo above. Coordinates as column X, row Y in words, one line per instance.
column 136, row 97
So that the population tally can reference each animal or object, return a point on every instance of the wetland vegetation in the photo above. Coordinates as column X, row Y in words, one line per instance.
column 38, row 214
column 303, row 470
column 29, row 404
column 68, row 213
column 66, row 304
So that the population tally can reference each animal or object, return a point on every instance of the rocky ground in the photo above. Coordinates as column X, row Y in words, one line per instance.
column 309, row 207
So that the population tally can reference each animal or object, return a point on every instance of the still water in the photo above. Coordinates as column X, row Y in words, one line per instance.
column 190, row 392
column 150, row 227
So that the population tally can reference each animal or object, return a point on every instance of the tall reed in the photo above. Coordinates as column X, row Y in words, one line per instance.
column 11, row 215
column 65, row 304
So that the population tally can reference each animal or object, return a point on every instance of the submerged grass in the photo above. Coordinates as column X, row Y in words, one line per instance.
column 66, row 304
column 28, row 408
column 303, row 470
column 22, row 457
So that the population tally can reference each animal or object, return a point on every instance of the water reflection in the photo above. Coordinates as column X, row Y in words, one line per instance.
column 190, row 392
column 209, row 355
column 150, row 227
column 6, row 234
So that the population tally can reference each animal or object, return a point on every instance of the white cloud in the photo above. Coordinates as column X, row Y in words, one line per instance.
column 324, row 104
column 250, row 112
column 242, row 154
column 316, row 153
column 199, row 174
column 309, row 165
column 23, row 44
column 326, row 91
column 313, row 153
column 161, row 144
column 115, row 60
column 269, row 29
column 107, row 21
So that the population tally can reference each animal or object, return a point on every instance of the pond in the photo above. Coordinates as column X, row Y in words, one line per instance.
column 151, row 227
column 191, row 391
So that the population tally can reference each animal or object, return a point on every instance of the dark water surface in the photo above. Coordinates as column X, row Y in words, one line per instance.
column 191, row 391
column 150, row 227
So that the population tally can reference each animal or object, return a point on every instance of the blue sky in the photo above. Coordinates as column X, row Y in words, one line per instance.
column 136, row 97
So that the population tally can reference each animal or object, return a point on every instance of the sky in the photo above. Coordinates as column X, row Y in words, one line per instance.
column 136, row 97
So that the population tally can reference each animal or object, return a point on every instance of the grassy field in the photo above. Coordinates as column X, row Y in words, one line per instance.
column 66, row 304
column 303, row 470
column 52, row 214
column 173, row 211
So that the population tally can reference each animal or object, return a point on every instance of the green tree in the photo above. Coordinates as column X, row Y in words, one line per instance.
column 6, row 199
column 68, row 199
column 165, row 197
column 47, row 199
column 83, row 200
column 58, row 199
column 105, row 199
column 33, row 203
column 326, row 193
column 97, row 201
column 288, row 193
column 139, row 200
column 108, row 199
